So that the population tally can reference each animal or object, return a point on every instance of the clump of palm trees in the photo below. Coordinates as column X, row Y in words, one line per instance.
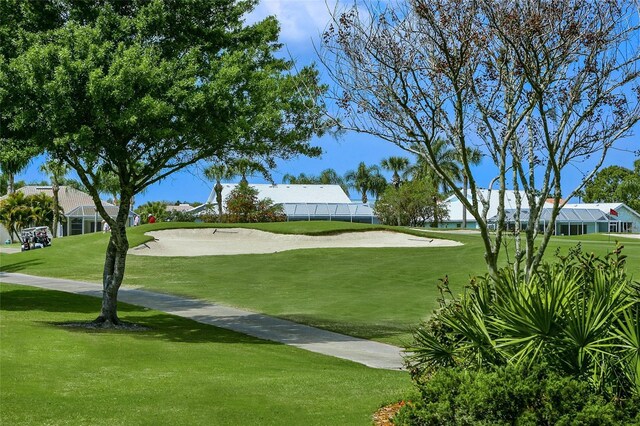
column 368, row 180
column 18, row 211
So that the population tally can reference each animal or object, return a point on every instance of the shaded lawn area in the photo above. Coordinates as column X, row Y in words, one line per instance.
column 374, row 293
column 178, row 372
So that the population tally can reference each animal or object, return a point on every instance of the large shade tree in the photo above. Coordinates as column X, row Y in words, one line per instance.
column 615, row 184
column 18, row 21
column 142, row 89
column 538, row 86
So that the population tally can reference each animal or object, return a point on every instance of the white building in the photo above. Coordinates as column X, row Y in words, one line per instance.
column 455, row 207
column 81, row 216
column 304, row 202
column 573, row 219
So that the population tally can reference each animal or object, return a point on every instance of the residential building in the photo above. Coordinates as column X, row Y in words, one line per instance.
column 304, row 202
column 81, row 216
column 573, row 219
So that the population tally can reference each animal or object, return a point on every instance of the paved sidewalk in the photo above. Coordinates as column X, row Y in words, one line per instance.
column 372, row 354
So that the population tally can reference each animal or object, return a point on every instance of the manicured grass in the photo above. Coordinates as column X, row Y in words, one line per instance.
column 375, row 293
column 178, row 372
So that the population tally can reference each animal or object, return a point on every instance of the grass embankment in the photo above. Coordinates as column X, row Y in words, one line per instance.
column 375, row 293
column 178, row 372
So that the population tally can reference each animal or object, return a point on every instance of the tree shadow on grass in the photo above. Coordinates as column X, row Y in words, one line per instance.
column 151, row 325
column 172, row 328
column 19, row 266
column 36, row 299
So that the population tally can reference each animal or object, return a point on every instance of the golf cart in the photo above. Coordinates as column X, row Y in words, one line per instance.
column 34, row 238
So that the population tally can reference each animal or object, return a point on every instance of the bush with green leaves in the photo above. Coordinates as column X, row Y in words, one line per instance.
column 580, row 316
column 243, row 206
column 157, row 209
column 511, row 395
column 178, row 216
column 413, row 203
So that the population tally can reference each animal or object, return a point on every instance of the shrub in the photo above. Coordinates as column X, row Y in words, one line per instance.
column 178, row 216
column 243, row 206
column 513, row 395
column 157, row 209
column 414, row 203
column 580, row 316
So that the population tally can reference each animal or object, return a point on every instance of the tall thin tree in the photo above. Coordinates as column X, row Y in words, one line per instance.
column 397, row 165
column 57, row 170
column 365, row 179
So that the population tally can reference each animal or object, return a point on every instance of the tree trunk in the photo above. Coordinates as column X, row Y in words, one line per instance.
column 218, row 189
column 465, row 184
column 435, row 212
column 364, row 197
column 113, row 274
column 395, row 180
column 11, row 184
column 56, row 209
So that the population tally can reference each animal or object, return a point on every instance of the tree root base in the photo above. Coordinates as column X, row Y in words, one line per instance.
column 105, row 325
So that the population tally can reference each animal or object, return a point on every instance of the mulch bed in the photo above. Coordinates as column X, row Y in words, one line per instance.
column 383, row 416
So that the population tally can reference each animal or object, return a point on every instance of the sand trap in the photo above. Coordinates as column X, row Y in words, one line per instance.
column 229, row 241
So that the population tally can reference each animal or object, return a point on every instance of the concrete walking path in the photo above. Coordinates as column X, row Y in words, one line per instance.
column 372, row 354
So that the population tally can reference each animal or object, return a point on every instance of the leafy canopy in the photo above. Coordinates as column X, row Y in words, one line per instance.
column 143, row 89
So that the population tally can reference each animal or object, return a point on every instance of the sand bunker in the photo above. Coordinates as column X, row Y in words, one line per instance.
column 229, row 241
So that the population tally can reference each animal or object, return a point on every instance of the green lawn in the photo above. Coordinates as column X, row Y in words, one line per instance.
column 178, row 372
column 374, row 293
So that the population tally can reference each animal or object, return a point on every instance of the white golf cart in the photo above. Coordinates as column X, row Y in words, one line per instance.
column 34, row 238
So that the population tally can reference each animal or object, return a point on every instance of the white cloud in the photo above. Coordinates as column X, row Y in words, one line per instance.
column 301, row 21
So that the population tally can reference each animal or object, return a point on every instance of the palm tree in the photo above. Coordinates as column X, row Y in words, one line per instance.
column 218, row 172
column 301, row 179
column 56, row 170
column 446, row 157
column 42, row 209
column 14, row 213
column 15, row 155
column 331, row 177
column 247, row 167
column 366, row 179
column 395, row 165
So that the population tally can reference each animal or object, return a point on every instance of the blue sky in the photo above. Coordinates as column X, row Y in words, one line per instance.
column 302, row 21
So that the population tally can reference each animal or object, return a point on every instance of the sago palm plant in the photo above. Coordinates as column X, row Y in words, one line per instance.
column 578, row 316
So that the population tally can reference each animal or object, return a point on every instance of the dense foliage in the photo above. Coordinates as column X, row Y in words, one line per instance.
column 157, row 209
column 413, row 203
column 615, row 184
column 19, row 211
column 513, row 395
column 579, row 317
column 243, row 206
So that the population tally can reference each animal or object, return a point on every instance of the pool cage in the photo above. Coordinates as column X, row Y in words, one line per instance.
column 344, row 212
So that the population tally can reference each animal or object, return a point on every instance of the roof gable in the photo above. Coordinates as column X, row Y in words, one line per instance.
column 68, row 197
column 288, row 193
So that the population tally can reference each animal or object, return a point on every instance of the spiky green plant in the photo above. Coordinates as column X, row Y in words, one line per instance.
column 579, row 316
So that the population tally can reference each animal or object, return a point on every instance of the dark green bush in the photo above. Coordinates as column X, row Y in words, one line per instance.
column 580, row 316
column 513, row 396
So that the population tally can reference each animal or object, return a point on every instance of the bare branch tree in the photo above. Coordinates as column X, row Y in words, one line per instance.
column 535, row 85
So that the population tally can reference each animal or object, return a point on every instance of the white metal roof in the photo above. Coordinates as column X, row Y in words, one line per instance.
column 455, row 206
column 68, row 197
column 565, row 215
column 286, row 193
